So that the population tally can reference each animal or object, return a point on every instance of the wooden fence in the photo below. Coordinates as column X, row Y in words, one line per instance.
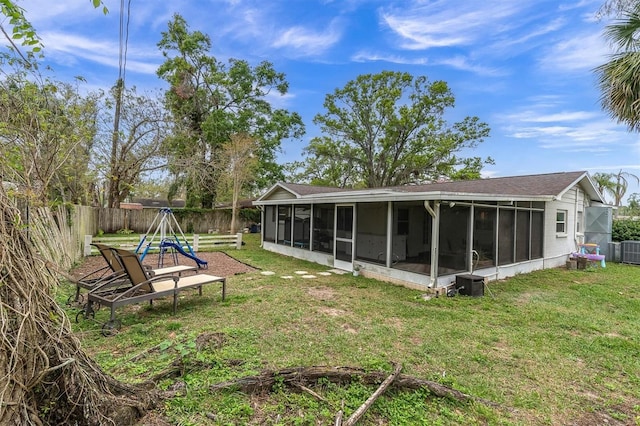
column 60, row 233
column 131, row 242
column 57, row 232
column 139, row 221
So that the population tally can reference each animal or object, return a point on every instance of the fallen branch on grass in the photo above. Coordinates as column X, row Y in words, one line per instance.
column 353, row 418
column 342, row 375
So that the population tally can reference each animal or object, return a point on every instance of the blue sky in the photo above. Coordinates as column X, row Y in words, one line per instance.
column 524, row 67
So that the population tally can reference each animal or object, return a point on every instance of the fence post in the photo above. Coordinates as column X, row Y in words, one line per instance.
column 239, row 240
column 87, row 245
column 196, row 240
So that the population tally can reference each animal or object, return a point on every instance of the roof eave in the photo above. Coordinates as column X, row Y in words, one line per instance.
column 386, row 195
column 588, row 186
column 271, row 190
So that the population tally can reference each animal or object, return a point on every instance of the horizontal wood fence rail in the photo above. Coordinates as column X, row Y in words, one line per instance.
column 198, row 242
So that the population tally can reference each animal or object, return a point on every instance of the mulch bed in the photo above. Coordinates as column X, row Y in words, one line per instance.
column 219, row 264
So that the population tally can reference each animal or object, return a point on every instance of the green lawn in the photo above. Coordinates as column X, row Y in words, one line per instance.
column 551, row 347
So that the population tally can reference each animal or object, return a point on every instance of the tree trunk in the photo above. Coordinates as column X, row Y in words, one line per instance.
column 114, row 181
column 47, row 378
column 309, row 375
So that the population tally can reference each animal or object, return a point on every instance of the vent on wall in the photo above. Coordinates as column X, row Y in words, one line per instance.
column 630, row 252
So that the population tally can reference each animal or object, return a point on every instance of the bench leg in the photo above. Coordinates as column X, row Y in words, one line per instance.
column 175, row 302
column 224, row 289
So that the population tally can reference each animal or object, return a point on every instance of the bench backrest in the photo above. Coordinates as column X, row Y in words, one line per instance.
column 133, row 268
column 110, row 257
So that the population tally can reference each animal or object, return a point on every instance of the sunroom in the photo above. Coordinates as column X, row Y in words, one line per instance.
column 423, row 236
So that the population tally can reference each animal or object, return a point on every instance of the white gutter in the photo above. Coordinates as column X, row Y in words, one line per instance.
column 427, row 206
column 402, row 196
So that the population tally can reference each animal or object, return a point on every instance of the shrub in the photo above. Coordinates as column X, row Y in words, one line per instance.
column 625, row 230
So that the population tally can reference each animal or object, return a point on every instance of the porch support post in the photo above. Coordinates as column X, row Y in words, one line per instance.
column 435, row 239
column 389, row 259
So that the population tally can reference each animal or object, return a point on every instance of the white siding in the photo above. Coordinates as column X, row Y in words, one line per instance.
column 281, row 194
column 556, row 245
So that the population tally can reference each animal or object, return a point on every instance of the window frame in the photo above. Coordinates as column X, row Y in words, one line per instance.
column 561, row 222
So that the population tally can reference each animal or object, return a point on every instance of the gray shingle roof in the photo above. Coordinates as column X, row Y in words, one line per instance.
column 550, row 184
column 303, row 189
column 538, row 185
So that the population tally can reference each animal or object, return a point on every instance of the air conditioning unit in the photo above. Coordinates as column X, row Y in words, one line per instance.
column 470, row 285
column 630, row 252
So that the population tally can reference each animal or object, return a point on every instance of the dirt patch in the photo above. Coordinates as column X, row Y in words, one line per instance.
column 322, row 293
column 154, row 419
column 332, row 312
column 218, row 263
column 210, row 341
column 349, row 329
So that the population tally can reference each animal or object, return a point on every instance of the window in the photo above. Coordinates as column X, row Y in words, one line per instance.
column 371, row 234
column 301, row 226
column 323, row 228
column 537, row 234
column 579, row 222
column 411, row 238
column 561, row 221
column 523, row 235
column 506, row 236
column 402, row 221
column 270, row 223
column 284, row 225
column 454, row 231
column 484, row 236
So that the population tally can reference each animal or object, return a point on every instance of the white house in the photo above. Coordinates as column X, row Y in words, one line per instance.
column 423, row 236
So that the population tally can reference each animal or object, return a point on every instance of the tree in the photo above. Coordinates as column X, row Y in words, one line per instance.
column 22, row 30
column 46, row 376
column 604, row 182
column 210, row 101
column 238, row 166
column 388, row 129
column 615, row 184
column 621, row 185
column 142, row 131
column 634, row 203
column 616, row 7
column 46, row 132
column 619, row 78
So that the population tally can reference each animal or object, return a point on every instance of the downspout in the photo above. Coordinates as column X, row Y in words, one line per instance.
column 435, row 226
column 575, row 219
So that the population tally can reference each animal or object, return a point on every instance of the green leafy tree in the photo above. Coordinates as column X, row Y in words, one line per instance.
column 46, row 133
column 634, row 202
column 605, row 183
column 22, row 32
column 389, row 129
column 210, row 101
column 47, row 378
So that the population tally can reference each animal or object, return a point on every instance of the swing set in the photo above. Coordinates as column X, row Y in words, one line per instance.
column 171, row 243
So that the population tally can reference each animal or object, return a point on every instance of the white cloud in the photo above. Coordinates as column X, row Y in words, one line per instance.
column 307, row 42
column 447, row 23
column 364, row 56
column 462, row 63
column 535, row 117
column 583, row 52
column 69, row 49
